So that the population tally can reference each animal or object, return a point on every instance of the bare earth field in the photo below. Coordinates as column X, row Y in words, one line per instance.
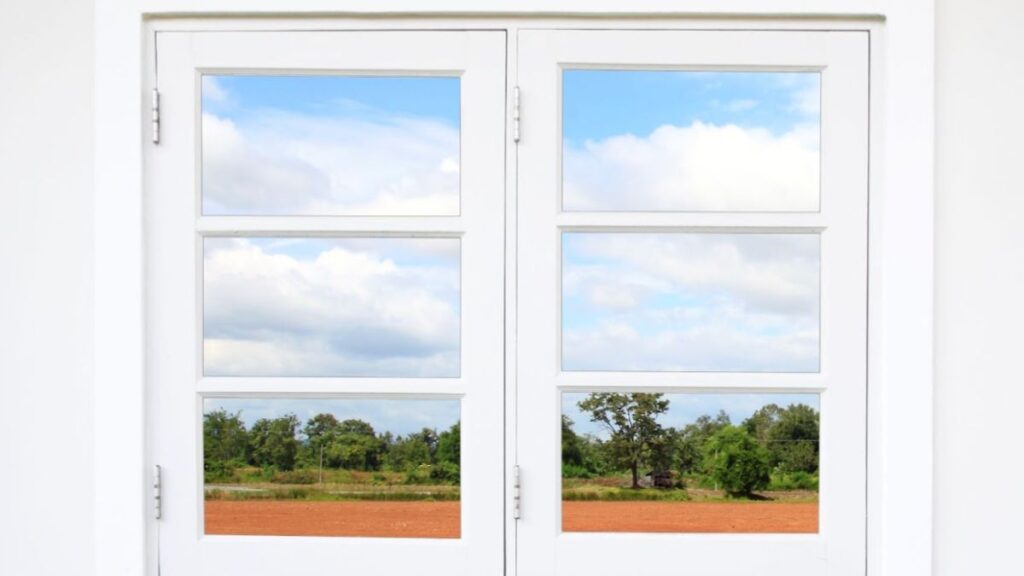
column 772, row 517
column 441, row 519
column 358, row 518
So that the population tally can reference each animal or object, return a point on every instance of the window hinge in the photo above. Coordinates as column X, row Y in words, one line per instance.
column 157, row 486
column 515, row 114
column 156, row 116
column 517, row 494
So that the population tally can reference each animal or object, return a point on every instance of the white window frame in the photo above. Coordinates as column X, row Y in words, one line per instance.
column 900, row 351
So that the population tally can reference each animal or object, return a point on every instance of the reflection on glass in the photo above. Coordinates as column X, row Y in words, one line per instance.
column 330, row 145
column 332, row 467
column 331, row 307
column 672, row 140
column 694, row 462
column 690, row 302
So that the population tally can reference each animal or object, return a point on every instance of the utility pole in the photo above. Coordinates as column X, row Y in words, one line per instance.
column 321, row 481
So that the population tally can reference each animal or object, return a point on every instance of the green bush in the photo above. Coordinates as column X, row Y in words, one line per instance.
column 445, row 472
column 794, row 481
column 302, row 476
column 735, row 460
column 575, row 471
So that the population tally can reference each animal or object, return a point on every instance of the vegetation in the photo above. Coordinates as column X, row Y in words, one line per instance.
column 774, row 450
column 326, row 459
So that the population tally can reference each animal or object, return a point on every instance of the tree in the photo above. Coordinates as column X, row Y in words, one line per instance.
column 572, row 451
column 448, row 460
column 631, row 421
column 793, row 440
column 225, row 442
column 761, row 421
column 273, row 442
column 408, row 452
column 689, row 442
column 734, row 460
column 354, row 445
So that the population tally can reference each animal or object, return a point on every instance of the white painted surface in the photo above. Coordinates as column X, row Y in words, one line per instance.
column 979, row 313
column 46, row 50
column 46, row 120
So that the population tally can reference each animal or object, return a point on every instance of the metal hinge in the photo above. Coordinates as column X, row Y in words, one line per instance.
column 517, row 493
column 515, row 114
column 157, row 486
column 156, row 116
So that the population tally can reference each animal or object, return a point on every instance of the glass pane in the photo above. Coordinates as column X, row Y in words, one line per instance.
column 694, row 462
column 332, row 467
column 690, row 302
column 331, row 307
column 671, row 140
column 330, row 145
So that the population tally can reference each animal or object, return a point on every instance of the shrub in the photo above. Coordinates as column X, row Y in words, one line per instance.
column 301, row 476
column 575, row 471
column 794, row 481
column 734, row 460
column 445, row 472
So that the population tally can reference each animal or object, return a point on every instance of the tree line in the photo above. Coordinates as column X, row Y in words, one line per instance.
column 279, row 444
column 741, row 458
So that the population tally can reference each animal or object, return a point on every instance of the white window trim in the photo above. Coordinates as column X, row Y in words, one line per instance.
column 901, row 225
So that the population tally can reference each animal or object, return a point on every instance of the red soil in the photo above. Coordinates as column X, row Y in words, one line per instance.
column 771, row 517
column 359, row 518
column 441, row 519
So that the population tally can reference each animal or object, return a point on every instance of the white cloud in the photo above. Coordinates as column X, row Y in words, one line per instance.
column 696, row 167
column 707, row 302
column 289, row 163
column 349, row 310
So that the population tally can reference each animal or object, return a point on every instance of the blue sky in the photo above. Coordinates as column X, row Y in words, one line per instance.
column 330, row 145
column 399, row 416
column 690, row 141
column 246, row 97
column 655, row 140
column 602, row 103
column 686, row 408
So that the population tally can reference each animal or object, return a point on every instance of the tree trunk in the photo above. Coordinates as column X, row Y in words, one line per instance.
column 636, row 475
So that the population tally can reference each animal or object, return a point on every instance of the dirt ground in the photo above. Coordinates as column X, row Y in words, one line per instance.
column 775, row 517
column 359, row 518
column 441, row 519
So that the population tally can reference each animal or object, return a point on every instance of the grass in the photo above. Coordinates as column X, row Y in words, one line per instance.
column 615, row 488
column 251, row 483
column 327, row 495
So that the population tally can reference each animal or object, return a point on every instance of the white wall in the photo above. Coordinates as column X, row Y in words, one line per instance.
column 46, row 107
column 46, row 514
column 979, row 400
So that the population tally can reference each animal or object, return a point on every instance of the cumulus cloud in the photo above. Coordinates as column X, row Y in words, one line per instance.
column 705, row 302
column 339, row 307
column 697, row 167
column 278, row 162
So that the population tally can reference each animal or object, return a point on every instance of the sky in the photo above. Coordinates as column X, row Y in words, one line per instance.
column 686, row 408
column 330, row 145
column 331, row 307
column 701, row 141
column 400, row 417
column 633, row 140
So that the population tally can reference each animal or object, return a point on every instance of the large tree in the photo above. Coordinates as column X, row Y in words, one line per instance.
column 273, row 442
column 631, row 422
column 225, row 443
column 689, row 442
column 354, row 445
column 793, row 440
